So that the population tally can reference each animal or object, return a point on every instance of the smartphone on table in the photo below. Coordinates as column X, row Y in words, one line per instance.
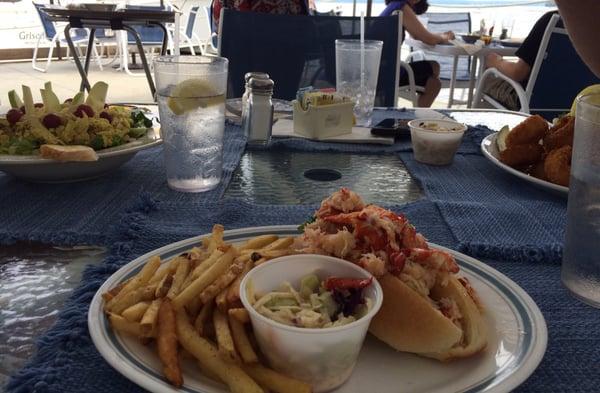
column 391, row 128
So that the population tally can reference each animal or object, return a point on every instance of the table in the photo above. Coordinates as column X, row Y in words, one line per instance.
column 477, row 63
column 115, row 20
column 126, row 207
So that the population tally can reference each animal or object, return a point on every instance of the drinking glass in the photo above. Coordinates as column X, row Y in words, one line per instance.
column 356, row 74
column 191, row 102
column 581, row 256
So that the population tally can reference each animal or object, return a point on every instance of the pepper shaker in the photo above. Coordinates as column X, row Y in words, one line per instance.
column 259, row 120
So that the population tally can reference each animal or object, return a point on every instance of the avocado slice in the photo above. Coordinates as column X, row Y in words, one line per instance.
column 15, row 100
column 51, row 102
column 28, row 100
column 97, row 96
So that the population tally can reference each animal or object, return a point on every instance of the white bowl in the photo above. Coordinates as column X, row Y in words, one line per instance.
column 324, row 357
column 435, row 147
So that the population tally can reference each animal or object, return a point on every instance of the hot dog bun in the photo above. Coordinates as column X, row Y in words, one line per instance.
column 408, row 322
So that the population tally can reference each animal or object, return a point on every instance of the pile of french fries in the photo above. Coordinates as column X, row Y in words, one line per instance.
column 190, row 305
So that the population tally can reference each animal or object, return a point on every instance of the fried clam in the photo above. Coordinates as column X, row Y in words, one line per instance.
column 537, row 170
column 557, row 165
column 560, row 135
column 529, row 131
column 519, row 156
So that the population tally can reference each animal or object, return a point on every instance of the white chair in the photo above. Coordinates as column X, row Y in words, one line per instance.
column 52, row 37
column 557, row 75
column 204, row 32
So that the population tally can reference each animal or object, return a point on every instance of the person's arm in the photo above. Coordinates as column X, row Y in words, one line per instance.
column 581, row 20
column 416, row 29
column 517, row 71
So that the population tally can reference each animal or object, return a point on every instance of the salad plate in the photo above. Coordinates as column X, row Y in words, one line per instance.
column 36, row 169
column 490, row 151
column 516, row 343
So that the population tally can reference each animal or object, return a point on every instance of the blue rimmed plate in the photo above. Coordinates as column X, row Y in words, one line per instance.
column 490, row 151
column 516, row 345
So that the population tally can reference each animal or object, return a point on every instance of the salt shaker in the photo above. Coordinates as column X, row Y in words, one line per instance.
column 259, row 120
column 257, row 75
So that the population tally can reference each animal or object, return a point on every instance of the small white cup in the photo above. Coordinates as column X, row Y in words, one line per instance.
column 324, row 357
column 435, row 147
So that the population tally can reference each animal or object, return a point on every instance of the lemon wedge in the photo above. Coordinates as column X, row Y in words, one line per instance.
column 192, row 94
column 501, row 138
column 593, row 89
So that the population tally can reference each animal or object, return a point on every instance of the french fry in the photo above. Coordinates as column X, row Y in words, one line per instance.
column 221, row 283
column 138, row 281
column 135, row 312
column 204, row 315
column 208, row 356
column 216, row 238
column 150, row 318
column 206, row 264
column 163, row 270
column 193, row 307
column 221, row 300
column 122, row 325
column 199, row 284
column 133, row 297
column 260, row 261
column 279, row 244
column 209, row 374
column 240, row 314
column 258, row 242
column 183, row 268
column 241, row 341
column 224, row 339
column 111, row 293
column 164, row 286
column 233, row 292
column 166, row 342
column 274, row 381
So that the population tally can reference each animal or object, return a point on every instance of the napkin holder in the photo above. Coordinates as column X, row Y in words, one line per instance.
column 323, row 121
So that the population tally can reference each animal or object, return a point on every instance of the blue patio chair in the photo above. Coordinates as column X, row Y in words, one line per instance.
column 52, row 37
column 299, row 51
column 150, row 36
column 439, row 22
column 187, row 35
column 556, row 77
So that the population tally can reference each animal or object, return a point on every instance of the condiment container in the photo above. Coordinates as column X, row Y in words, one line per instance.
column 323, row 357
column 435, row 141
column 323, row 121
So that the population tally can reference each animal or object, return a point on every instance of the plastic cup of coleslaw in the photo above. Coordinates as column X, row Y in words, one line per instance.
column 323, row 357
column 436, row 141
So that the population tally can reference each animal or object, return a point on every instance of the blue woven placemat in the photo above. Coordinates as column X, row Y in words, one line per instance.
column 470, row 205
column 68, row 362
column 84, row 212
column 492, row 213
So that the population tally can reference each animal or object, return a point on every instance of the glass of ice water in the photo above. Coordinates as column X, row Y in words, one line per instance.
column 581, row 256
column 191, row 102
column 357, row 69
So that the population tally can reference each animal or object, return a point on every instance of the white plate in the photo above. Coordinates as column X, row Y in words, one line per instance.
column 42, row 170
column 490, row 151
column 517, row 340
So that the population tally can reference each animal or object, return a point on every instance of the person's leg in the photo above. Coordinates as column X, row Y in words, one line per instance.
column 432, row 86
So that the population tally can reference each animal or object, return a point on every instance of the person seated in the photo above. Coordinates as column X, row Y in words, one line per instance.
column 427, row 73
column 519, row 70
column 289, row 7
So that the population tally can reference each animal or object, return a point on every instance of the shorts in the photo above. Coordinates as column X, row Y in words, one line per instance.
column 502, row 91
column 423, row 70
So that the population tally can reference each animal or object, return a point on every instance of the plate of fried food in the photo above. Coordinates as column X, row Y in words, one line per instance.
column 535, row 151
column 172, row 319
column 80, row 138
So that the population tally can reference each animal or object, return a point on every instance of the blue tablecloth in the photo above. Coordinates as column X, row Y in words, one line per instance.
column 470, row 206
